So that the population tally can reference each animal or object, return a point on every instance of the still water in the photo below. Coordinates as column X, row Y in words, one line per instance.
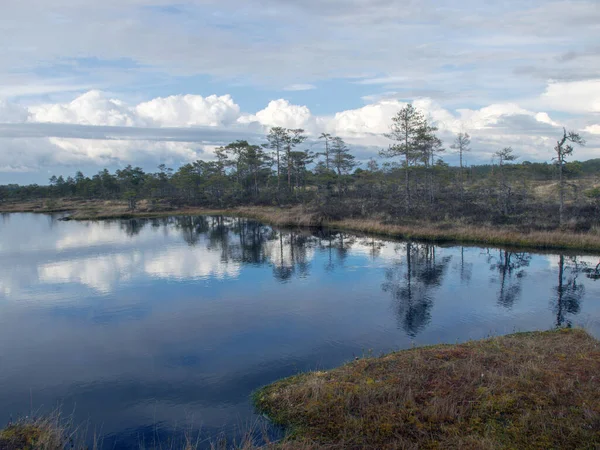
column 145, row 328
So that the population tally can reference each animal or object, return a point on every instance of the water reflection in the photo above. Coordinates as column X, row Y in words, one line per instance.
column 411, row 282
column 509, row 268
column 146, row 321
column 465, row 269
column 569, row 292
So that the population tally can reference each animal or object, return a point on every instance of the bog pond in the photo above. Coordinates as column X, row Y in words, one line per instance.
column 144, row 329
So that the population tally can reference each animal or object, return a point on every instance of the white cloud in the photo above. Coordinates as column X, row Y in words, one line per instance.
column 593, row 129
column 190, row 110
column 91, row 108
column 98, row 130
column 281, row 113
column 94, row 108
column 545, row 118
column 494, row 115
column 72, row 151
column 376, row 118
column 574, row 97
column 370, row 119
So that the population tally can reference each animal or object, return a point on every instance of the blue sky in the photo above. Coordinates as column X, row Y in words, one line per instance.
column 497, row 70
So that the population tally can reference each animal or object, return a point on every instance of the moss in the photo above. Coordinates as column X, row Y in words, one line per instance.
column 527, row 390
column 23, row 437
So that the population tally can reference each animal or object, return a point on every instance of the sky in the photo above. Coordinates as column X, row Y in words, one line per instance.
column 87, row 84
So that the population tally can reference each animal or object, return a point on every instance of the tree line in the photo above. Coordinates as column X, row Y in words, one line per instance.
column 410, row 180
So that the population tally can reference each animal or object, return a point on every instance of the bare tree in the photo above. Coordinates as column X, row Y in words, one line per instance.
column 503, row 156
column 462, row 145
column 431, row 146
column 563, row 149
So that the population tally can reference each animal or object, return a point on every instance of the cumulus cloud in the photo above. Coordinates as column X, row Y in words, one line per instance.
column 91, row 108
column 376, row 118
column 94, row 108
column 189, row 110
column 99, row 130
column 368, row 120
column 281, row 113
column 574, row 97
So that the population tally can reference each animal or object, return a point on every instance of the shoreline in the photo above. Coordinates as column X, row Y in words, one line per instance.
column 445, row 232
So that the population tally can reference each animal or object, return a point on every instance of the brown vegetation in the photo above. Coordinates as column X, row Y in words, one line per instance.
column 299, row 216
column 47, row 433
column 525, row 391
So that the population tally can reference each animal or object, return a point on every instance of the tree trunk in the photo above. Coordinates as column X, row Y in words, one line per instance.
column 559, row 312
column 561, row 188
column 289, row 169
column 278, row 172
column 407, row 181
column 462, row 181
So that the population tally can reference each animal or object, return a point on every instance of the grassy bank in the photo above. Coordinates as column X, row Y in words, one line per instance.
column 48, row 433
column 529, row 390
column 302, row 217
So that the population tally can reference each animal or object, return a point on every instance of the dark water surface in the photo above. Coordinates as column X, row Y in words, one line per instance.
column 145, row 328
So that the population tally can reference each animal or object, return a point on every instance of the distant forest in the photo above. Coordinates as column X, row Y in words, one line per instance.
column 409, row 180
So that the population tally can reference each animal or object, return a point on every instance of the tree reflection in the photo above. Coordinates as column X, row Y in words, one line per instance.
column 252, row 238
column 374, row 246
column 133, row 227
column 510, row 269
column 290, row 255
column 192, row 228
column 465, row 269
column 411, row 284
column 337, row 244
column 592, row 273
column 250, row 242
column 569, row 292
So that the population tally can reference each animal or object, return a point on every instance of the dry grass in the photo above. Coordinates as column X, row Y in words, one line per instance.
column 425, row 231
column 449, row 232
column 50, row 432
column 302, row 217
column 43, row 206
column 524, row 391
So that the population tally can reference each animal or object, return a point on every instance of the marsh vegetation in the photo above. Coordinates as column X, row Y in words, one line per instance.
column 409, row 185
